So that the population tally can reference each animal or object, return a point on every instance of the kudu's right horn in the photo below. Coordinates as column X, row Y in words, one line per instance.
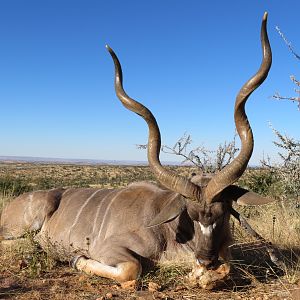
column 236, row 168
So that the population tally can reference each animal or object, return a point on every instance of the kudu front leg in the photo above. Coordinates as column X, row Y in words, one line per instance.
column 122, row 272
column 225, row 253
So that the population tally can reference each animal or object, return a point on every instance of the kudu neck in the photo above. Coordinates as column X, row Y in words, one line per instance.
column 181, row 231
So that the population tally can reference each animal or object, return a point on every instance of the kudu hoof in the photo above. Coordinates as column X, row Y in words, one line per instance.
column 74, row 261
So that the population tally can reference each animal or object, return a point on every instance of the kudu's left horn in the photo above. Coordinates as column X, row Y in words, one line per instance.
column 166, row 177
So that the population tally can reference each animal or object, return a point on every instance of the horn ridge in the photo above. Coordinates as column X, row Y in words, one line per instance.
column 236, row 168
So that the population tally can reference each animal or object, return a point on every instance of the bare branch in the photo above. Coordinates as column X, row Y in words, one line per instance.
column 292, row 77
column 289, row 44
column 294, row 80
column 294, row 99
column 141, row 146
column 209, row 161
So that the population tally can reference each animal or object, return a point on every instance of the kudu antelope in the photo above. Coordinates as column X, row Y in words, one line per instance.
column 113, row 232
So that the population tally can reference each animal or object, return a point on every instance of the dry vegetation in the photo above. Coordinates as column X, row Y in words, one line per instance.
column 26, row 272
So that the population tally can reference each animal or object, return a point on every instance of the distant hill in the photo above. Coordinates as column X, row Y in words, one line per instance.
column 49, row 160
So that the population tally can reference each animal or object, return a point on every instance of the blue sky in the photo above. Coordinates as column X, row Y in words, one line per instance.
column 185, row 60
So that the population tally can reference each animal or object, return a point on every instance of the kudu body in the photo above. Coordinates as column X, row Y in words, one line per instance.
column 115, row 232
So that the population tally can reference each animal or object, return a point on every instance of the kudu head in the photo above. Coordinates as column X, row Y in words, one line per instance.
column 212, row 196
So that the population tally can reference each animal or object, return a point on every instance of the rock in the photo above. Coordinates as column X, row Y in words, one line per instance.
column 115, row 287
column 208, row 279
column 153, row 287
column 129, row 285
column 180, row 288
column 82, row 278
column 161, row 295
column 22, row 264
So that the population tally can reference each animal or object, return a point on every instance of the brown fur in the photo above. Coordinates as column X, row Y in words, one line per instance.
column 109, row 227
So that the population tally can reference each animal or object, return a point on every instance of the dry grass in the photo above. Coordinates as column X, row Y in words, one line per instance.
column 26, row 272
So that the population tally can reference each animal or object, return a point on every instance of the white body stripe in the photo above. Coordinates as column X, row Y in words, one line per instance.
column 97, row 213
column 80, row 211
column 104, row 217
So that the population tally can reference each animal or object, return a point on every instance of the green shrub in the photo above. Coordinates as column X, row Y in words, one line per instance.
column 14, row 186
column 262, row 181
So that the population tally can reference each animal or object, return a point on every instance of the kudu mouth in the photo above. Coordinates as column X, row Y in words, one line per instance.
column 230, row 173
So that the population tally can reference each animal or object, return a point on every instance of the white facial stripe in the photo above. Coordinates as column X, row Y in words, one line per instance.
column 207, row 230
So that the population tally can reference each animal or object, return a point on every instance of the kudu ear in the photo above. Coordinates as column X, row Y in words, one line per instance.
column 169, row 212
column 244, row 197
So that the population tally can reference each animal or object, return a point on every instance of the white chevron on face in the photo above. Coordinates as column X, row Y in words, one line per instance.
column 207, row 230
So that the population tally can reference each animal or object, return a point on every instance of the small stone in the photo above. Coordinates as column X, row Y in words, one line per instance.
column 22, row 264
column 82, row 278
column 161, row 295
column 153, row 287
column 129, row 285
column 179, row 288
column 109, row 296
column 115, row 287
column 208, row 279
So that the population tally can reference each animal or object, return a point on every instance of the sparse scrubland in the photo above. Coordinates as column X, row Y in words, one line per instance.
column 27, row 272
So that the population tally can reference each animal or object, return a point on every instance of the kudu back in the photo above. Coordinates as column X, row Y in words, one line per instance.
column 114, row 233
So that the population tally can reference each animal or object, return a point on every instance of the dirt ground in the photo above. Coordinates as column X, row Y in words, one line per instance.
column 64, row 283
column 249, row 279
